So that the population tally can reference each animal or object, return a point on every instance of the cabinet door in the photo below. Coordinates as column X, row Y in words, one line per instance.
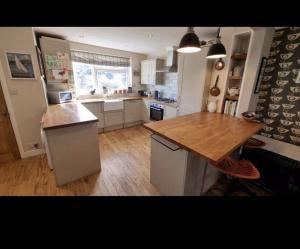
column 152, row 72
column 170, row 112
column 146, row 110
column 168, row 165
column 133, row 110
column 96, row 109
column 144, row 72
column 113, row 118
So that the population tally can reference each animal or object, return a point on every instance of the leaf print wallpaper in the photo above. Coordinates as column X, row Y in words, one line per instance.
column 279, row 97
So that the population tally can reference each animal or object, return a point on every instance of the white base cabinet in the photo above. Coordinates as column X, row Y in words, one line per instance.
column 132, row 111
column 97, row 109
column 177, row 172
column 146, row 110
column 170, row 112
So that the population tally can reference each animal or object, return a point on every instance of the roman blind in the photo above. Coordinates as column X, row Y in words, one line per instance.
column 99, row 59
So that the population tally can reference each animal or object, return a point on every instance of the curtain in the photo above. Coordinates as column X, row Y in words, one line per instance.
column 99, row 59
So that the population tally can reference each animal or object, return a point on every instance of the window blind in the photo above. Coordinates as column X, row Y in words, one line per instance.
column 99, row 59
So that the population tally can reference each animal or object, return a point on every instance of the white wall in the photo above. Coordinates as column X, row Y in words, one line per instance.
column 25, row 98
column 260, row 44
column 135, row 57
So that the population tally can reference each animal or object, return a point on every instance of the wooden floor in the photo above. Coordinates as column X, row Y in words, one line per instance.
column 125, row 162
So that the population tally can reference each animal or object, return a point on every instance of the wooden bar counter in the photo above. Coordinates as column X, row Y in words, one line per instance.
column 205, row 138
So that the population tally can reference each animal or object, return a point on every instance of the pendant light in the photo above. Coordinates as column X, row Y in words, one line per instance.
column 217, row 50
column 190, row 42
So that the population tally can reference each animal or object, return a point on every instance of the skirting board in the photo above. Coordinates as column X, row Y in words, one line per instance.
column 31, row 153
column 281, row 148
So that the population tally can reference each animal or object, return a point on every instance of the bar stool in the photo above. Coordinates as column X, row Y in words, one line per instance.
column 237, row 169
column 253, row 143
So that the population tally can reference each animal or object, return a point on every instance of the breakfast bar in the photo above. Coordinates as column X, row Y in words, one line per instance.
column 71, row 140
column 183, row 150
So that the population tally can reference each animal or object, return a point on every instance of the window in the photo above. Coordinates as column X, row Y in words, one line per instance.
column 88, row 77
column 94, row 71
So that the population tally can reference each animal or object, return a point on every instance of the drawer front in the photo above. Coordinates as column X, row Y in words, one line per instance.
column 113, row 118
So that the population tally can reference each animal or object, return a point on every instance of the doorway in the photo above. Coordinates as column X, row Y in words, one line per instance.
column 8, row 146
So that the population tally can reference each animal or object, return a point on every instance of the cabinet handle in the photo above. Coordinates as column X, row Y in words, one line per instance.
column 163, row 143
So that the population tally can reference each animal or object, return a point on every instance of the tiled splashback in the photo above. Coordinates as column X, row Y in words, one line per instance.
column 279, row 97
column 170, row 87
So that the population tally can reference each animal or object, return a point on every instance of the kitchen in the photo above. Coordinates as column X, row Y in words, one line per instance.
column 163, row 119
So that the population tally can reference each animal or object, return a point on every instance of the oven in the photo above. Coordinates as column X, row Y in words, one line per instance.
column 156, row 111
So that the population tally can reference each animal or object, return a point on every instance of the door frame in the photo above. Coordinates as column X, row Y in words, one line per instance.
column 13, row 121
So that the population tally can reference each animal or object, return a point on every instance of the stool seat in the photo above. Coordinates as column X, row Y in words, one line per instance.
column 253, row 143
column 243, row 169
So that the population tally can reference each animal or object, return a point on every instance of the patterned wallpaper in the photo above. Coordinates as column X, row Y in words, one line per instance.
column 279, row 96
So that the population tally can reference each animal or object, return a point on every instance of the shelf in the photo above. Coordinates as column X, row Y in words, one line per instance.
column 239, row 56
column 228, row 97
column 234, row 78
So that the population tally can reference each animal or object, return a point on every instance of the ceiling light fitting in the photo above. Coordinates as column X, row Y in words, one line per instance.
column 190, row 42
column 217, row 50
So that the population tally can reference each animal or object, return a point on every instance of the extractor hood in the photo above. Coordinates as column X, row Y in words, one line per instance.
column 171, row 61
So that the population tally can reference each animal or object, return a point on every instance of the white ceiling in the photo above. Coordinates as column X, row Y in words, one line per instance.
column 145, row 40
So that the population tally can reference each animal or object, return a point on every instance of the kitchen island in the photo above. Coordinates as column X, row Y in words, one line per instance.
column 184, row 148
column 71, row 140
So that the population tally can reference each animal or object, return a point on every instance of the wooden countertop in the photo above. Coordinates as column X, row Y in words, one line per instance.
column 68, row 114
column 95, row 100
column 212, row 136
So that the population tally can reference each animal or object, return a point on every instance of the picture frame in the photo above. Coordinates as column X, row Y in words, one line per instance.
column 20, row 65
column 40, row 61
column 263, row 64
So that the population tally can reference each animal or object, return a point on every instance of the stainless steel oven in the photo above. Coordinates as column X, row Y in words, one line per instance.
column 156, row 111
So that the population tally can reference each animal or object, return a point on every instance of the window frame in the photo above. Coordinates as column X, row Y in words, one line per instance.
column 95, row 69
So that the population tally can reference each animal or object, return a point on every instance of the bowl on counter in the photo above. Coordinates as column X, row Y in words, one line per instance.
column 251, row 116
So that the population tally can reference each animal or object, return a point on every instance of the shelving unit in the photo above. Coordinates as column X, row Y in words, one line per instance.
column 228, row 97
column 239, row 52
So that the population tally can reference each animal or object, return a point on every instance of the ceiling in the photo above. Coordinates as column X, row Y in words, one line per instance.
column 145, row 40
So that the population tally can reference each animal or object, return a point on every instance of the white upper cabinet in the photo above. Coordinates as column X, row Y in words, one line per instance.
column 149, row 75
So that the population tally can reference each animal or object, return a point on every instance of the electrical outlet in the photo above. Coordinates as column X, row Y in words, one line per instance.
column 33, row 146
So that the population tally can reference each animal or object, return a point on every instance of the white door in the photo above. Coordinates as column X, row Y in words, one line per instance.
column 192, row 70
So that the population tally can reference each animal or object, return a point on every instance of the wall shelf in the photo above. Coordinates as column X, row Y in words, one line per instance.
column 235, row 78
column 239, row 56
column 241, row 42
column 228, row 97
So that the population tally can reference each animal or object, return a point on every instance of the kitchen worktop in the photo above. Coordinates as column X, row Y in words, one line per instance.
column 212, row 136
column 95, row 100
column 68, row 114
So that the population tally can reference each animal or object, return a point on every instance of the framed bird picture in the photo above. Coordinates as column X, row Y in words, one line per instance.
column 20, row 65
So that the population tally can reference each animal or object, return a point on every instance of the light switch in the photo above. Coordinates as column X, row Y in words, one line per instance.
column 13, row 92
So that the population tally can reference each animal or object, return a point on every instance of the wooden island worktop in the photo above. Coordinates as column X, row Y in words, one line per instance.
column 68, row 114
column 212, row 136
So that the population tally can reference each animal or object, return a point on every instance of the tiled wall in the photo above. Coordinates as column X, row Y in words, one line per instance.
column 170, row 87
column 279, row 97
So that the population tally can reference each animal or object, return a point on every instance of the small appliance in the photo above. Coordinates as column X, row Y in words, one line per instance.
column 142, row 93
column 157, row 94
column 58, row 97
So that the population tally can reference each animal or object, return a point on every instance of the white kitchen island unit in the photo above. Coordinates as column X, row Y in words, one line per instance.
column 185, row 149
column 71, row 135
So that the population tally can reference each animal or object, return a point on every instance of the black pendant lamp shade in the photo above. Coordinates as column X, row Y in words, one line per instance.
column 217, row 50
column 189, row 43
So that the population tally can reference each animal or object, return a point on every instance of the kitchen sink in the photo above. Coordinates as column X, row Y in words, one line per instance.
column 113, row 104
